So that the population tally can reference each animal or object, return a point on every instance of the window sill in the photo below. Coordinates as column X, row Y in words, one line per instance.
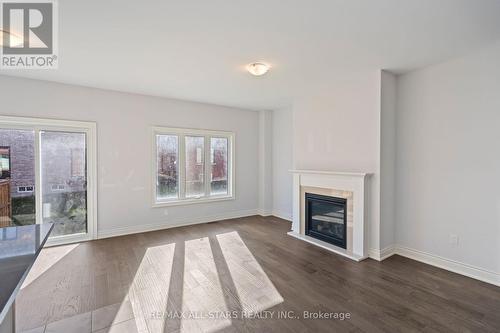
column 191, row 201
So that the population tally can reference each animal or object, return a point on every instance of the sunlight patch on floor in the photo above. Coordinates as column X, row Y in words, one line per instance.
column 255, row 290
column 149, row 289
column 47, row 258
column 202, row 293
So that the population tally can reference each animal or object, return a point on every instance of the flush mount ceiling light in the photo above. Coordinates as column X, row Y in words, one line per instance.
column 258, row 68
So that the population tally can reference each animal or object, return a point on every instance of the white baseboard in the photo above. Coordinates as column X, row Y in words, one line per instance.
column 282, row 215
column 438, row 261
column 264, row 212
column 450, row 265
column 382, row 254
column 374, row 254
column 121, row 231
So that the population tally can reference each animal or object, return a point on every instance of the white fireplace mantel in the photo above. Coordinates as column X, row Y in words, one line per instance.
column 354, row 182
column 343, row 174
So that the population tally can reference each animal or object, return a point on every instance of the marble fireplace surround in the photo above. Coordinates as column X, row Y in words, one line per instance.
column 348, row 185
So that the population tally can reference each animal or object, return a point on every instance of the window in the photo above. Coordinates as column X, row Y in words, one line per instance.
column 167, row 152
column 77, row 162
column 4, row 162
column 195, row 168
column 57, row 187
column 218, row 169
column 25, row 189
column 191, row 166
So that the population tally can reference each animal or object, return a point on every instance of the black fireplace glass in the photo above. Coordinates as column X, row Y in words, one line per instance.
column 326, row 218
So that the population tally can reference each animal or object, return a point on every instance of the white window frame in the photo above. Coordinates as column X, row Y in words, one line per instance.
column 90, row 129
column 181, row 133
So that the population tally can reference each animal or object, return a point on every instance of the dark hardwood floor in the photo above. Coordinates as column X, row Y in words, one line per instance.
column 218, row 271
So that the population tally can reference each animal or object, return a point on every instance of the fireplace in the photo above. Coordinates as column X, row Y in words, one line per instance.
column 326, row 218
column 330, row 194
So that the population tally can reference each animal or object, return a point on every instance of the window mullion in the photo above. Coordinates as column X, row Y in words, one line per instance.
column 230, row 165
column 182, row 167
column 155, row 166
column 38, row 178
column 208, row 166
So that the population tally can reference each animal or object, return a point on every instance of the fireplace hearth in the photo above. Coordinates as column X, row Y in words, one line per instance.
column 326, row 219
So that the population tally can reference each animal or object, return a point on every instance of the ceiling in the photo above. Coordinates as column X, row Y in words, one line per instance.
column 197, row 50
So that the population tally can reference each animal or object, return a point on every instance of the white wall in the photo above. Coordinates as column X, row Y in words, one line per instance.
column 282, row 162
column 448, row 160
column 124, row 152
column 265, row 162
column 337, row 128
column 387, row 159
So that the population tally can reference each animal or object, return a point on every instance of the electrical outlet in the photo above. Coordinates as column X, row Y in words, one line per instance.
column 454, row 240
column 165, row 212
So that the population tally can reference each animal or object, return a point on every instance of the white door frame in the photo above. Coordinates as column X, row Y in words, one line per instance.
column 90, row 129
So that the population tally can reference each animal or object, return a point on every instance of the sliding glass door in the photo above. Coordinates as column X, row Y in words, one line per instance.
column 47, row 174
column 17, row 177
column 64, row 181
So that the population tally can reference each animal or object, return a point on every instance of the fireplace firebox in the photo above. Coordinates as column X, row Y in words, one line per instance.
column 326, row 219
